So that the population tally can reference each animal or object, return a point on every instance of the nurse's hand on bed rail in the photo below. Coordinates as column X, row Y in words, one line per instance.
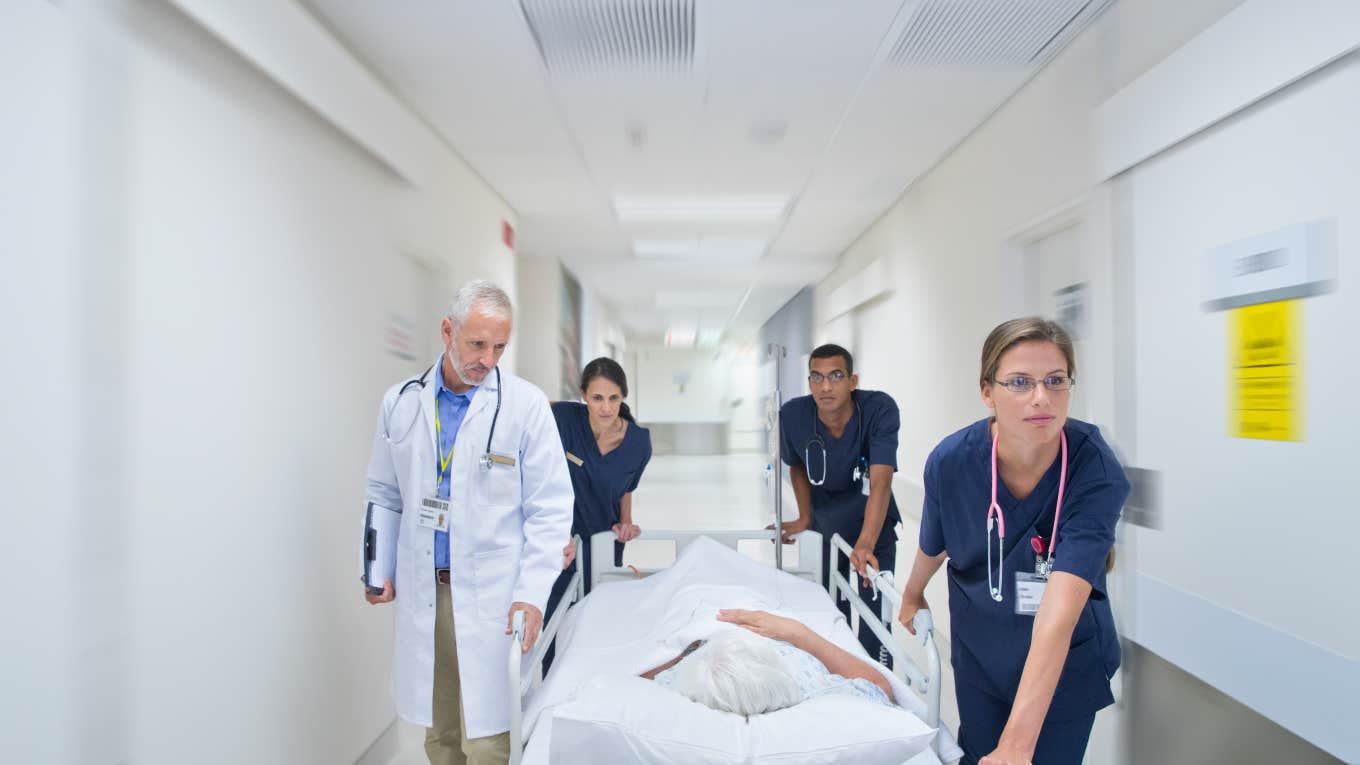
column 911, row 603
column 765, row 624
column 533, row 622
column 791, row 528
column 568, row 555
column 861, row 555
column 626, row 532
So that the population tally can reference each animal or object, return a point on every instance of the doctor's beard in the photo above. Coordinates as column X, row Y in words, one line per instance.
column 463, row 372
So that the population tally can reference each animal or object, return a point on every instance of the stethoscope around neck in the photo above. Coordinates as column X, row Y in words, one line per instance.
column 817, row 439
column 419, row 383
column 1000, row 520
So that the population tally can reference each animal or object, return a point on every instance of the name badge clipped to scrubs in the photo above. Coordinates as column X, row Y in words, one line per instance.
column 434, row 513
column 1029, row 591
column 861, row 474
column 1029, row 588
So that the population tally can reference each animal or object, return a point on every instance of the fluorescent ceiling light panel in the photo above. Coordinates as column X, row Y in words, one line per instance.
column 666, row 249
column 732, row 250
column 683, row 299
column 727, row 209
column 708, row 249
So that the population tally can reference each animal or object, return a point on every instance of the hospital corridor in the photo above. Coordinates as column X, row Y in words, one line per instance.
column 707, row 382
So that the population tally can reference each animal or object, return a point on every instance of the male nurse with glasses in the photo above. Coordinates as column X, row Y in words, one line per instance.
column 840, row 444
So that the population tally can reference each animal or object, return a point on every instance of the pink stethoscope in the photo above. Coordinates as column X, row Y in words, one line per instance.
column 995, row 509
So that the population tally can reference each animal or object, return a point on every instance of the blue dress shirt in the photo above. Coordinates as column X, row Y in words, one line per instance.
column 452, row 408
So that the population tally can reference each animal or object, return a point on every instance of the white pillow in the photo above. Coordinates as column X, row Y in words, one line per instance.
column 620, row 719
column 632, row 720
column 838, row 729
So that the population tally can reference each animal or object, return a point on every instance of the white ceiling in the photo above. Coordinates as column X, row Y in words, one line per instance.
column 836, row 106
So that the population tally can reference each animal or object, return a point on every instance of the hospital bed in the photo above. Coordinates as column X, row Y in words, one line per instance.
column 529, row 738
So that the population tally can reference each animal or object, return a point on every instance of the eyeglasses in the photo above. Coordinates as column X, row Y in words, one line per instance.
column 835, row 376
column 1026, row 384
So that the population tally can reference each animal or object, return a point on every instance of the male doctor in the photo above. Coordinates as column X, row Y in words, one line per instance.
column 471, row 458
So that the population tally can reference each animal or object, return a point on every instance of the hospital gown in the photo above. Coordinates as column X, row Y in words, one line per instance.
column 812, row 677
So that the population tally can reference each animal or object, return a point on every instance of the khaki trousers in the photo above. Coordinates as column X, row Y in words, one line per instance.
column 444, row 743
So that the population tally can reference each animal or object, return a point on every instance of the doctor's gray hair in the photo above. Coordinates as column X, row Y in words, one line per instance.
column 484, row 298
column 737, row 672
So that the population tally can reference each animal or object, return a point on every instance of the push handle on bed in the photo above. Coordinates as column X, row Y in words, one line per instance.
column 513, row 671
column 924, row 624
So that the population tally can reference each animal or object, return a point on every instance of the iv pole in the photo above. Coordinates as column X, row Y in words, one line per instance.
column 775, row 467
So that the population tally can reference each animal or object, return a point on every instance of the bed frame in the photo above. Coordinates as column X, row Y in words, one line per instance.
column 879, row 618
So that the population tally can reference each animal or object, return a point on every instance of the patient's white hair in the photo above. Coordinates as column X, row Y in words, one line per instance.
column 737, row 672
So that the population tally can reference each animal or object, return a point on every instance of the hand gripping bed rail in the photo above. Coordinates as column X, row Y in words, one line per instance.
column 514, row 665
column 926, row 683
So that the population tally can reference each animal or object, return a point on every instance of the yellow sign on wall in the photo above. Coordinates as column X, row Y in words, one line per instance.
column 1264, row 376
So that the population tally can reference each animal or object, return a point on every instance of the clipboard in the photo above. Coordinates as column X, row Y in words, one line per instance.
column 381, row 528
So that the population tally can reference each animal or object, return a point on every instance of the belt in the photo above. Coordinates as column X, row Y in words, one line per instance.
column 442, row 574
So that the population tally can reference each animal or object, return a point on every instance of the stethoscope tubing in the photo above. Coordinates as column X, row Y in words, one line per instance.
column 995, row 516
column 420, row 383
column 817, row 439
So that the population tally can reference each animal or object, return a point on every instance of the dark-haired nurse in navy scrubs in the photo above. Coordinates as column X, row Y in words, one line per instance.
column 1033, row 640
column 606, row 453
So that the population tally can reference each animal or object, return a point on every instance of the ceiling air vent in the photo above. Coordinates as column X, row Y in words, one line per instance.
column 591, row 36
column 992, row 34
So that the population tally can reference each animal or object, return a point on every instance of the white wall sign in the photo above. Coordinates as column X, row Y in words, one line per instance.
column 1292, row 262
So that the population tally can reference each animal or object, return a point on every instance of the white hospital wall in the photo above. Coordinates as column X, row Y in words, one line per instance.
column 942, row 240
column 538, row 321
column 203, row 271
column 1232, row 508
column 1256, row 537
column 704, row 396
column 602, row 332
column 538, row 325
column 41, row 406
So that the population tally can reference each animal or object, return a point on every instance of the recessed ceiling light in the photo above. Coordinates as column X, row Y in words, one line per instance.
column 753, row 208
column 767, row 132
column 637, row 135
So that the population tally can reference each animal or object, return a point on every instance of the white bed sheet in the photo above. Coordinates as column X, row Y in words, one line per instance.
column 536, row 751
column 629, row 627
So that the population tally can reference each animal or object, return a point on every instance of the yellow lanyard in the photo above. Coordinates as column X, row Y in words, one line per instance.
column 444, row 462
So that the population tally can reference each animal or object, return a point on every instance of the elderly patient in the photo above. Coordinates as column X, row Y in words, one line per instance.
column 776, row 663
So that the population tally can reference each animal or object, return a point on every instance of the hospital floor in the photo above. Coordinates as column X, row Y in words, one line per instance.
column 730, row 492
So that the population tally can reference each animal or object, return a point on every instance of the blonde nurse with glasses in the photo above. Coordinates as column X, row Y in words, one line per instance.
column 1023, row 504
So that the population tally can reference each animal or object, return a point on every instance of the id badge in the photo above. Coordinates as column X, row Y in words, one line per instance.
column 434, row 513
column 1029, row 591
column 865, row 485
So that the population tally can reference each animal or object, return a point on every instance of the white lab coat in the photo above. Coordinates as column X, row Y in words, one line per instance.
column 507, row 529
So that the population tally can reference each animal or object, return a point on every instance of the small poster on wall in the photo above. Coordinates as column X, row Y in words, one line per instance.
column 1069, row 306
column 1264, row 375
column 399, row 337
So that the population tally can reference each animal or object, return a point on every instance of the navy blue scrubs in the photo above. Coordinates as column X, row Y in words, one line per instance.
column 869, row 438
column 990, row 642
column 600, row 481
